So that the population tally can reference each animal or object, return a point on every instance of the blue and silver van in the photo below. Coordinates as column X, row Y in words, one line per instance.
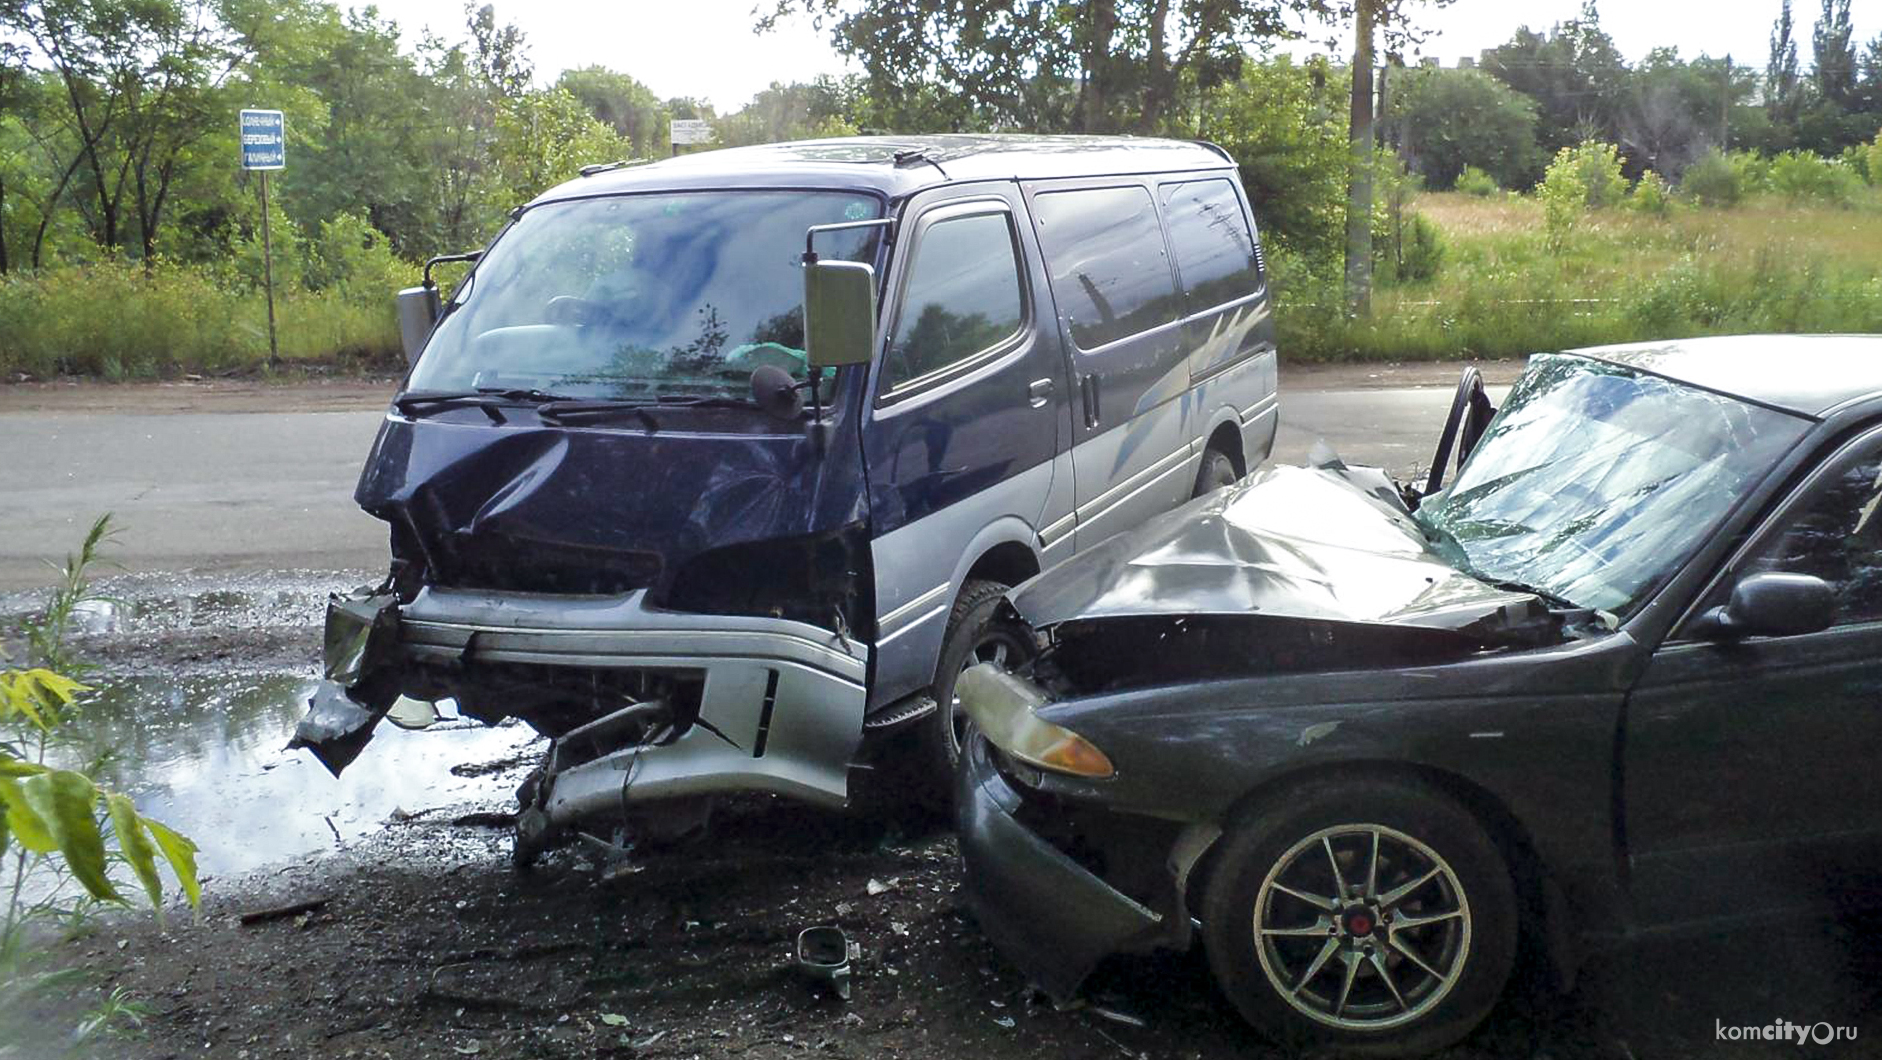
column 714, row 470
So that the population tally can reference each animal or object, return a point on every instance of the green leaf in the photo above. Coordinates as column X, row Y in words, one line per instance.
column 136, row 848
column 66, row 801
column 37, row 693
column 23, row 821
column 13, row 767
column 181, row 854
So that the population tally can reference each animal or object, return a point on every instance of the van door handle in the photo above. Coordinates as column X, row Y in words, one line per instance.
column 1039, row 393
column 1088, row 391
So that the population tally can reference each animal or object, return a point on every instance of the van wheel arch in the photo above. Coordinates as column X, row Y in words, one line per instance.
column 1227, row 440
column 1007, row 563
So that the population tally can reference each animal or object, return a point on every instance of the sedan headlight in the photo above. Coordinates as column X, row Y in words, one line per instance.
column 1005, row 708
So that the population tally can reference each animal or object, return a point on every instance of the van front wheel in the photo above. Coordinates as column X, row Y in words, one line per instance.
column 977, row 633
column 1216, row 472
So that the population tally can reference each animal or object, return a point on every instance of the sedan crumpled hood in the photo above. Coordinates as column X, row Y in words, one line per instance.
column 1325, row 543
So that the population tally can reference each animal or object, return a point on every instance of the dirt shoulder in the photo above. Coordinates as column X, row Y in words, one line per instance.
column 338, row 394
column 368, row 393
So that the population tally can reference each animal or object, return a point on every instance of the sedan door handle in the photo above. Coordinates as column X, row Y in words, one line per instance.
column 1039, row 393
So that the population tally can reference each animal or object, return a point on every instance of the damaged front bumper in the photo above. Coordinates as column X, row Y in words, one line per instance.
column 1052, row 917
column 641, row 704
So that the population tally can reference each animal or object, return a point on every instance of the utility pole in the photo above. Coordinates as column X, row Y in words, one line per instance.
column 1359, row 168
column 1725, row 107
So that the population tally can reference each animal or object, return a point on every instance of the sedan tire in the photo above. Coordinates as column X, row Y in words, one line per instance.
column 1370, row 915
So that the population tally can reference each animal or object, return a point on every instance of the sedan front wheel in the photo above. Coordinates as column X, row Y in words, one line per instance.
column 1370, row 915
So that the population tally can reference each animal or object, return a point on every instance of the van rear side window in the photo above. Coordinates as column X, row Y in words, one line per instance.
column 1109, row 269
column 1209, row 234
column 962, row 297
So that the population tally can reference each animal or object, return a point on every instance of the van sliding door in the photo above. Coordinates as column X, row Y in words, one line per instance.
column 1120, row 312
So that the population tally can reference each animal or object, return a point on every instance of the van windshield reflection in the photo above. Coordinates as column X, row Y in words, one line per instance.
column 643, row 297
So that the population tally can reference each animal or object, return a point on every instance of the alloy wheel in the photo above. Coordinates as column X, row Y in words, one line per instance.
column 1362, row 927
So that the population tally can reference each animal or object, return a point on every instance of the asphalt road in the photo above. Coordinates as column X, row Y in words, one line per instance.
column 238, row 491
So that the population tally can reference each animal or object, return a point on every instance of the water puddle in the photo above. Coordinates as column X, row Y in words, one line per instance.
column 167, row 602
column 207, row 756
column 202, row 746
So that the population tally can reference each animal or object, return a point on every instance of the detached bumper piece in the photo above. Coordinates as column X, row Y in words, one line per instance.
column 361, row 685
column 1043, row 911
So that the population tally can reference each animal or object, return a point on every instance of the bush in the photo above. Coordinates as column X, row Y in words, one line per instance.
column 1650, row 195
column 1804, row 177
column 1872, row 156
column 1411, row 252
column 174, row 318
column 1581, row 178
column 1753, row 171
column 1712, row 180
column 1474, row 181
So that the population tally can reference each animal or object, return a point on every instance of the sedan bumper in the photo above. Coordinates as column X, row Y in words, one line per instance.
column 1043, row 911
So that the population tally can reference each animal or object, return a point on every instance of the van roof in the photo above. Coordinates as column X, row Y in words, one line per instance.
column 900, row 165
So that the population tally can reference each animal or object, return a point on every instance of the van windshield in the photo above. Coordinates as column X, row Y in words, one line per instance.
column 677, row 295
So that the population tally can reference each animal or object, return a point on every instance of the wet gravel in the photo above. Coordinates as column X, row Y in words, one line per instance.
column 430, row 944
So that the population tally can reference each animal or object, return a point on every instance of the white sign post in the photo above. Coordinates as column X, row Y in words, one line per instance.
column 689, row 131
column 265, row 148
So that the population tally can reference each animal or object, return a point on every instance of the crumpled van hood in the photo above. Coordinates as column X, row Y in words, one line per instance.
column 1325, row 543
column 598, row 509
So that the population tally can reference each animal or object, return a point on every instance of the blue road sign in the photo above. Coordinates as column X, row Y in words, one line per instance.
column 264, row 140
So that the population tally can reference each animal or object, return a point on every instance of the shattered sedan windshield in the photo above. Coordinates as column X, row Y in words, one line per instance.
column 676, row 295
column 1594, row 482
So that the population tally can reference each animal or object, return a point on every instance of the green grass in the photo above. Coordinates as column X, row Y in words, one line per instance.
column 1620, row 276
column 114, row 321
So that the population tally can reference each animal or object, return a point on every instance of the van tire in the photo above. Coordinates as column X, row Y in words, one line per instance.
column 1216, row 472
column 977, row 631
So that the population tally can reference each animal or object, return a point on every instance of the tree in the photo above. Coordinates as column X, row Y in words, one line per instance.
column 1674, row 111
column 1101, row 66
column 1783, row 86
column 1444, row 120
column 1359, row 167
column 139, row 77
column 795, row 111
column 630, row 107
column 1369, row 16
column 1833, row 55
column 1574, row 73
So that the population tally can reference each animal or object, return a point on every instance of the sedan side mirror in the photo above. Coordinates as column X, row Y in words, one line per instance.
column 839, row 313
column 418, row 312
column 1771, row 604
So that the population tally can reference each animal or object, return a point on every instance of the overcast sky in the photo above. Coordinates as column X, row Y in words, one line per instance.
column 705, row 48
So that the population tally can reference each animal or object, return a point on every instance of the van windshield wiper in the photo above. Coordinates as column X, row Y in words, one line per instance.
column 562, row 407
column 483, row 396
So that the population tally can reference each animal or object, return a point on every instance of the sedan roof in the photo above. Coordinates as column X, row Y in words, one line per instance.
column 1807, row 374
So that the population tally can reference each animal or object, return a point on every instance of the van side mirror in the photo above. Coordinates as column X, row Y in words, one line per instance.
column 418, row 311
column 839, row 313
column 1771, row 604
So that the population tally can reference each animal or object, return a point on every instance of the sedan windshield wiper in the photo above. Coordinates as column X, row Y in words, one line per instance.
column 1560, row 603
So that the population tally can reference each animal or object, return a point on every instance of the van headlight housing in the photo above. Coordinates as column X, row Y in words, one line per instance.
column 1005, row 708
